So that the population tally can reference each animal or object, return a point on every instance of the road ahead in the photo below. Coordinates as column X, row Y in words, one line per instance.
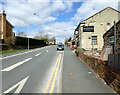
column 46, row 70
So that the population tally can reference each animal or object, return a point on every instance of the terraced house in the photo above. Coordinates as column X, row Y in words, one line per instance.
column 6, row 28
column 89, row 32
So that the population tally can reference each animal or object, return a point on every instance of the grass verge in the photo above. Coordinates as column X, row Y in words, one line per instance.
column 10, row 51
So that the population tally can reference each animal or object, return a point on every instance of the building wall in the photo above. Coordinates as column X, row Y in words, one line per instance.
column 100, row 27
column 5, row 27
column 111, row 33
column 8, row 30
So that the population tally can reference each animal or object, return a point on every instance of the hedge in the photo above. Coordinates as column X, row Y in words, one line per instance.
column 22, row 41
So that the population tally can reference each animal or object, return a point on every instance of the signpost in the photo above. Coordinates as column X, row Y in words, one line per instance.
column 88, row 28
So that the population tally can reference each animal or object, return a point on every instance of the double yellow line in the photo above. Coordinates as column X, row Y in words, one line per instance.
column 53, row 76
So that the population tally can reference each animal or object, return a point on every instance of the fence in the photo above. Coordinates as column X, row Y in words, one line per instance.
column 114, row 61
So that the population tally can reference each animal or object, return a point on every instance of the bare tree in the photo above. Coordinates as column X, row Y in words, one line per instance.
column 41, row 33
column 37, row 37
column 46, row 36
column 21, row 34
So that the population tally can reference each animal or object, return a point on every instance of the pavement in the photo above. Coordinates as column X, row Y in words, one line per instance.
column 46, row 70
column 78, row 78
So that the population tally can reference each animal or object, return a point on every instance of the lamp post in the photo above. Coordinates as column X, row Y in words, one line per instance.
column 28, row 37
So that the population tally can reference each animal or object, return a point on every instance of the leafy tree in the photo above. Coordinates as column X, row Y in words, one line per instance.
column 45, row 39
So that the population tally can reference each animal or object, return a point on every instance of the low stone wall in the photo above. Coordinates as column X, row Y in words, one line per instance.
column 110, row 75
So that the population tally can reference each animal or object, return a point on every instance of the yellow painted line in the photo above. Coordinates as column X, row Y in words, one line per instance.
column 48, row 84
column 54, row 79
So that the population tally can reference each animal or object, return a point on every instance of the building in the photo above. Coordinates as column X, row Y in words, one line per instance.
column 89, row 33
column 109, row 38
column 6, row 27
column 52, row 41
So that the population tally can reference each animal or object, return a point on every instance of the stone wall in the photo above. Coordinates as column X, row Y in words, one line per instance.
column 111, row 33
column 110, row 75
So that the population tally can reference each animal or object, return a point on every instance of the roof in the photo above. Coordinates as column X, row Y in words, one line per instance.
column 8, row 21
column 98, row 13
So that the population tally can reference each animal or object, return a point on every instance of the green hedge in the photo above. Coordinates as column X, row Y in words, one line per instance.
column 22, row 41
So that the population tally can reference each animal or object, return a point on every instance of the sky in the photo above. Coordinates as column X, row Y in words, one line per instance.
column 56, row 18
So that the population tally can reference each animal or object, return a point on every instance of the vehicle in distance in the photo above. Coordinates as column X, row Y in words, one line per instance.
column 60, row 47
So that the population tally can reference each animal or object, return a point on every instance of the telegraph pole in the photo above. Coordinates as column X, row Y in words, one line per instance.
column 114, row 37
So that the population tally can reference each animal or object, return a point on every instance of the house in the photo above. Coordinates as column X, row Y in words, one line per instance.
column 89, row 32
column 109, row 38
column 6, row 27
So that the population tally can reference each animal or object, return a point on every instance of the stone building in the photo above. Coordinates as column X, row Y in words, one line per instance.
column 6, row 27
column 90, row 31
column 109, row 37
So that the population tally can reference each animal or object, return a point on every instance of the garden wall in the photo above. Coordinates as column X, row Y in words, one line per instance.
column 110, row 75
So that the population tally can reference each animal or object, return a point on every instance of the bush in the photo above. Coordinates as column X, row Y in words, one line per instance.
column 78, row 50
column 10, row 41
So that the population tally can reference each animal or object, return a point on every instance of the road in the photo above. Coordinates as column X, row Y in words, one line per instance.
column 46, row 70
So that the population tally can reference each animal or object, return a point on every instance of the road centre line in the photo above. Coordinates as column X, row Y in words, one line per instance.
column 19, row 85
column 54, row 79
column 49, row 81
column 24, row 53
column 16, row 65
column 38, row 54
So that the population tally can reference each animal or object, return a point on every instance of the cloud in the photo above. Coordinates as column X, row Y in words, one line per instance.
column 23, row 12
column 91, row 7
column 60, row 30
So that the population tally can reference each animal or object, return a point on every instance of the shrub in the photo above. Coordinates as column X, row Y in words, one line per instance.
column 10, row 41
column 78, row 50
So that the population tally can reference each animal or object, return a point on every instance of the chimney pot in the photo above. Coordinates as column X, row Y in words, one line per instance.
column 3, row 11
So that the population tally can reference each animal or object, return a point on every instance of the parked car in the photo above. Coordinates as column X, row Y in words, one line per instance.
column 60, row 47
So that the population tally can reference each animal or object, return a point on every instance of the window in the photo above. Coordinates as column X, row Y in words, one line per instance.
column 111, row 40
column 94, row 40
column 108, row 26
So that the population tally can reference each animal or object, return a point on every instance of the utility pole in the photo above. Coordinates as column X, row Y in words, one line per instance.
column 114, row 37
column 28, row 37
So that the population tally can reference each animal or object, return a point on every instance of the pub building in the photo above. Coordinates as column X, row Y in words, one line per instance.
column 89, row 32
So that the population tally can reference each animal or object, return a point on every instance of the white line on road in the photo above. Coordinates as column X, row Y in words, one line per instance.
column 19, row 85
column 16, row 65
column 46, row 50
column 25, row 52
column 38, row 54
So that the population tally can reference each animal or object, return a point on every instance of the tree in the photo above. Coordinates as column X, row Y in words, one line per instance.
column 21, row 34
column 69, row 39
column 45, row 39
column 37, row 37
column 41, row 33
column 46, row 36
column 10, row 41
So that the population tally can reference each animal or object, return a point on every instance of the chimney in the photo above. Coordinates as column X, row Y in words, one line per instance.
column 3, row 24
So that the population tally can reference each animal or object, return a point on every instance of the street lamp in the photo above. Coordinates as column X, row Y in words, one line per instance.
column 28, row 37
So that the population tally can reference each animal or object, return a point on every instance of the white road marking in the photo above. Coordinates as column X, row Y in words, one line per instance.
column 60, row 51
column 19, row 85
column 24, row 52
column 38, row 54
column 89, row 72
column 16, row 65
column 46, row 50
